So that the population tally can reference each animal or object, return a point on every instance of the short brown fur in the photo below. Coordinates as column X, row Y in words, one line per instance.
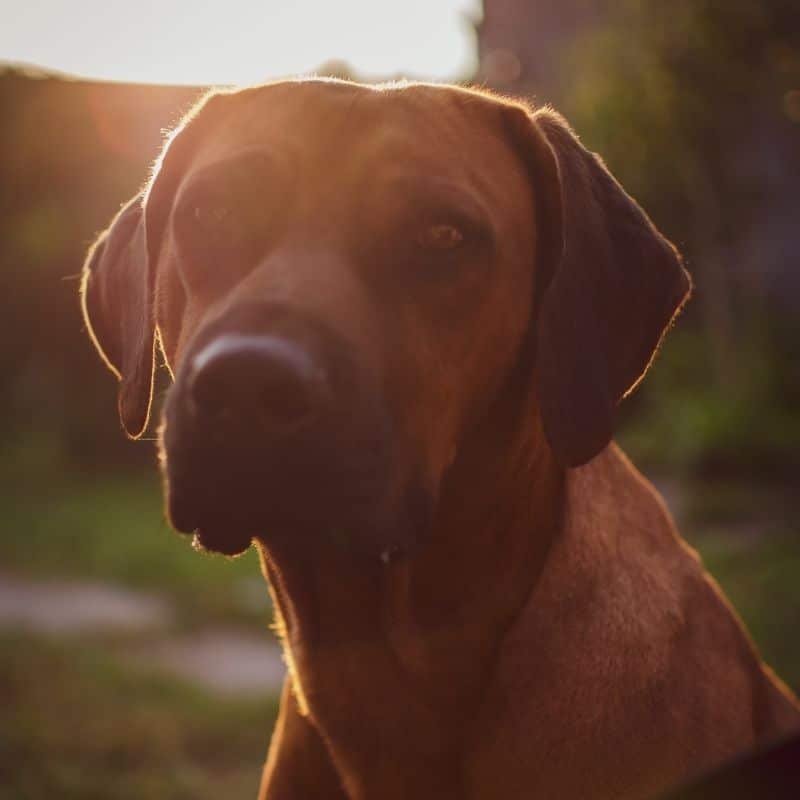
column 553, row 636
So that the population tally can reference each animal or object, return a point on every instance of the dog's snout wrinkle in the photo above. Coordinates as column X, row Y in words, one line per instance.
column 241, row 380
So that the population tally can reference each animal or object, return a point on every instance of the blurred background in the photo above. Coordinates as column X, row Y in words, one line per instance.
column 129, row 661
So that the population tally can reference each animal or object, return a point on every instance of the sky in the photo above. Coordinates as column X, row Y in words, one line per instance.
column 239, row 41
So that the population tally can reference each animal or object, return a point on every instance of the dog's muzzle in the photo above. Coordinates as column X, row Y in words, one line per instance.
column 273, row 430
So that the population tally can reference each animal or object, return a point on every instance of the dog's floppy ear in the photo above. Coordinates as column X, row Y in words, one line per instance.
column 608, row 287
column 117, row 299
column 118, row 285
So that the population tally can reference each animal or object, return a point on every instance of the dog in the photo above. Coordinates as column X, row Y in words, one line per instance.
column 400, row 320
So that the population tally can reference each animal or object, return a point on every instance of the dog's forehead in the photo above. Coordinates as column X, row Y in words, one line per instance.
column 345, row 126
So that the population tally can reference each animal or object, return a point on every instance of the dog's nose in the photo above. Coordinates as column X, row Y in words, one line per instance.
column 256, row 381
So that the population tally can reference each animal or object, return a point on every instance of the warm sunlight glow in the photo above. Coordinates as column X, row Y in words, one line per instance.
column 241, row 41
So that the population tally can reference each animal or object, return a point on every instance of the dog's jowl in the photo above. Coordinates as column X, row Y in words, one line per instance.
column 400, row 320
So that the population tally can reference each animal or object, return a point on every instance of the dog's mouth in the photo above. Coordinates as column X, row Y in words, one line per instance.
column 332, row 487
column 352, row 513
column 226, row 542
column 356, row 514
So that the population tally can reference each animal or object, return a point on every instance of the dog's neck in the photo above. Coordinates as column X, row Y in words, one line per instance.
column 447, row 608
column 428, row 626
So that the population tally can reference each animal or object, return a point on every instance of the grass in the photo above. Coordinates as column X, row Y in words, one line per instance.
column 76, row 724
column 761, row 577
column 113, row 530
column 748, row 533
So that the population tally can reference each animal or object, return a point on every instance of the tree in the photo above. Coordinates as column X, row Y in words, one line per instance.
column 690, row 102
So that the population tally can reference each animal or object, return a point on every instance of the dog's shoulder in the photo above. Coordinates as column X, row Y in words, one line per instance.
column 627, row 643
column 618, row 536
column 657, row 602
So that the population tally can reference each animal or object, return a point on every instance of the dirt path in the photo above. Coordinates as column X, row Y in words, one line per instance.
column 222, row 660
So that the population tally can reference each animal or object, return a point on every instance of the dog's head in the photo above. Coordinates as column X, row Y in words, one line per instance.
column 343, row 278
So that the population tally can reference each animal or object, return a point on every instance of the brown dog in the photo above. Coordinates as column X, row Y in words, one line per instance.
column 400, row 320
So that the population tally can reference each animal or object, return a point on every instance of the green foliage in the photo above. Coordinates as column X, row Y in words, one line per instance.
column 71, row 153
column 758, row 573
column 77, row 725
column 687, row 423
column 667, row 91
column 113, row 530
column 80, row 719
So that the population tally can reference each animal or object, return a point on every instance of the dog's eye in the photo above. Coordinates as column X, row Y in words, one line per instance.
column 213, row 231
column 441, row 237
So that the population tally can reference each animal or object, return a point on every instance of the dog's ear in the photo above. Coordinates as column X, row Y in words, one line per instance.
column 117, row 300
column 118, row 285
column 608, row 287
